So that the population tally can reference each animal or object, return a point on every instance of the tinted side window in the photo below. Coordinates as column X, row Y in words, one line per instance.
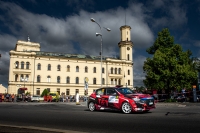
column 110, row 91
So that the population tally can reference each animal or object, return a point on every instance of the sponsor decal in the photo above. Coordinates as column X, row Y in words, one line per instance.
column 113, row 99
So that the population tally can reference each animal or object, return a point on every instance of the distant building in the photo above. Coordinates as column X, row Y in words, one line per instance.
column 3, row 89
column 32, row 70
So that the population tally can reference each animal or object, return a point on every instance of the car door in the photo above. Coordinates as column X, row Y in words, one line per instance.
column 113, row 98
column 100, row 97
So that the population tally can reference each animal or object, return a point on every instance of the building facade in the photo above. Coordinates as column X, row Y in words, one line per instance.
column 3, row 89
column 32, row 70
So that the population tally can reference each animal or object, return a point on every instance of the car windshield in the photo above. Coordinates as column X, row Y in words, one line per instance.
column 125, row 91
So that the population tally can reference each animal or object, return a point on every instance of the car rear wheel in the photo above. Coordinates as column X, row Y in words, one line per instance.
column 126, row 108
column 91, row 106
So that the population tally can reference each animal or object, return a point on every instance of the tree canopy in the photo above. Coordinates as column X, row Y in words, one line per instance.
column 170, row 67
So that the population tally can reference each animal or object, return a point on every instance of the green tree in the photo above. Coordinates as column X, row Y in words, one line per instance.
column 170, row 67
column 44, row 93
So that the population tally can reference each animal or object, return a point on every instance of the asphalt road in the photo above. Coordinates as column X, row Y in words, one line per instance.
column 71, row 118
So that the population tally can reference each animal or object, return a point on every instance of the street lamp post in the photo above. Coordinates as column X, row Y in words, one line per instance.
column 100, row 34
column 196, row 60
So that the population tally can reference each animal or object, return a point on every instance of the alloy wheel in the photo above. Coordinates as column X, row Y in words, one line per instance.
column 91, row 106
column 126, row 108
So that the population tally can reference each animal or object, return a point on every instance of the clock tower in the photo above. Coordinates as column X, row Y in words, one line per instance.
column 126, row 45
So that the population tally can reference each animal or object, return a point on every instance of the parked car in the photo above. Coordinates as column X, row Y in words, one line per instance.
column 120, row 98
column 53, row 97
column 36, row 98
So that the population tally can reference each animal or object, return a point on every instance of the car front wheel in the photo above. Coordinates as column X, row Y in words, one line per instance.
column 126, row 108
column 91, row 106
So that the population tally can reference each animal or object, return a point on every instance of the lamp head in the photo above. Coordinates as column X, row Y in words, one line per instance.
column 98, row 34
column 93, row 20
column 108, row 29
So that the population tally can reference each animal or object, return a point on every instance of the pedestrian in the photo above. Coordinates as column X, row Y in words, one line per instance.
column 23, row 97
column 2, row 97
column 184, row 94
column 66, row 98
column 7, row 97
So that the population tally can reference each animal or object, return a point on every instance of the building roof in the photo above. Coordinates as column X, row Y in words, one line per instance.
column 78, row 56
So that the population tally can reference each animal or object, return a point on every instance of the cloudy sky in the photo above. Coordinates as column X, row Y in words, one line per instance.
column 65, row 26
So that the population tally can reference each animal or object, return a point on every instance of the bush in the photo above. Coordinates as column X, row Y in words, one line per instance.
column 44, row 93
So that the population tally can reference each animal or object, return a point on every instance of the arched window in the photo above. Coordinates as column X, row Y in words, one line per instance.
column 49, row 67
column 94, row 70
column 128, row 57
column 115, row 81
column 58, row 79
column 111, row 70
column 127, row 39
column 16, row 77
column 22, row 77
column 115, row 70
column 68, row 80
column 103, row 81
column 111, row 81
column 68, row 68
column 38, row 66
column 94, row 81
column 103, row 71
column 27, row 65
column 48, row 78
column 86, row 69
column 38, row 78
column 58, row 68
column 27, row 77
column 119, row 82
column 22, row 65
column 128, row 72
column 119, row 71
column 129, row 82
column 77, row 69
column 77, row 80
column 16, row 64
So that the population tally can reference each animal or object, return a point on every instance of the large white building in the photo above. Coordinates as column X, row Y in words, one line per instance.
column 32, row 70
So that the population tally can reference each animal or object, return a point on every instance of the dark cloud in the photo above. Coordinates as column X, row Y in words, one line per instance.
column 76, row 33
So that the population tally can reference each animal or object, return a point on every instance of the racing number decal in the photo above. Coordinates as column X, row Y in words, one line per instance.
column 113, row 99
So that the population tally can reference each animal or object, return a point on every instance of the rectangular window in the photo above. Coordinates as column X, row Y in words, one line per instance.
column 67, row 92
column 128, row 82
column 38, row 91
column 58, row 90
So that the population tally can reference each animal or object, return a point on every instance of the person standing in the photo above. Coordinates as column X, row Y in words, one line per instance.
column 7, row 97
column 2, row 97
column 184, row 95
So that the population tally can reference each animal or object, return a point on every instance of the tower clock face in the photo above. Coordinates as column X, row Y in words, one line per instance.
column 128, row 48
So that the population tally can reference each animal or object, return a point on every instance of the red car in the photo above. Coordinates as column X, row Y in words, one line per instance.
column 120, row 98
